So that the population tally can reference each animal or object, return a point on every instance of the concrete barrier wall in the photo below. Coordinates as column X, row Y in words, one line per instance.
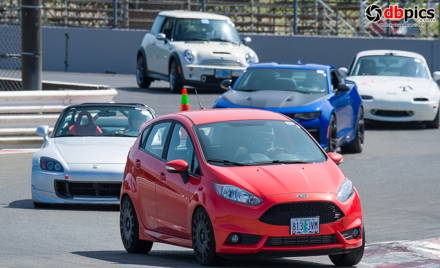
column 108, row 50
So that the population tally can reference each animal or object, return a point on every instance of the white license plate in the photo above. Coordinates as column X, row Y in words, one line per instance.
column 222, row 74
column 302, row 226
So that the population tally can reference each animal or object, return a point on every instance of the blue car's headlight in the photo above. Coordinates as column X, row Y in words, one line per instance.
column 237, row 194
column 307, row 116
column 345, row 191
column 50, row 164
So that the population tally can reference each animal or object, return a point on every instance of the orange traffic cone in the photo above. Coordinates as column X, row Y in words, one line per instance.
column 184, row 106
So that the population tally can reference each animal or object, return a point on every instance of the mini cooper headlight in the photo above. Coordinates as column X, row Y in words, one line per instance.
column 250, row 58
column 345, row 191
column 189, row 56
column 50, row 164
column 307, row 116
column 237, row 194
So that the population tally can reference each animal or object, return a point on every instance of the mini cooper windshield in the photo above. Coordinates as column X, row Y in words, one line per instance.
column 257, row 142
column 302, row 80
column 389, row 65
column 205, row 30
column 102, row 121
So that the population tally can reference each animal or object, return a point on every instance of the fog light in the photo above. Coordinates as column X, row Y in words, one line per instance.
column 234, row 238
column 356, row 233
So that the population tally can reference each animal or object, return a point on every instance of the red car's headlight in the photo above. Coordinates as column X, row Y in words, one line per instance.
column 345, row 191
column 237, row 194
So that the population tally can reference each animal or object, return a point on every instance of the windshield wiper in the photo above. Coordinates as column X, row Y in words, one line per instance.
column 246, row 89
column 226, row 162
column 192, row 39
column 221, row 40
column 278, row 162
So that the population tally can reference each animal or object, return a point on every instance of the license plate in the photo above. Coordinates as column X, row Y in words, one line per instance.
column 222, row 74
column 302, row 226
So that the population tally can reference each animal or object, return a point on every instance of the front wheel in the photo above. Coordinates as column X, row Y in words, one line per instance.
column 129, row 228
column 434, row 123
column 352, row 258
column 203, row 239
column 332, row 132
column 175, row 77
column 355, row 146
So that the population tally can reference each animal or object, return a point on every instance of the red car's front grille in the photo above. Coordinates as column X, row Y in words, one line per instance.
column 282, row 213
column 301, row 241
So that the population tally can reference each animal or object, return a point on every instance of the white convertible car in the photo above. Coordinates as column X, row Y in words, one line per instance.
column 83, row 160
column 396, row 86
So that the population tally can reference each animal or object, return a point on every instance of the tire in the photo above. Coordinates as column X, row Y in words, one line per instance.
column 434, row 123
column 129, row 228
column 40, row 205
column 332, row 140
column 355, row 146
column 175, row 78
column 141, row 73
column 203, row 239
column 352, row 258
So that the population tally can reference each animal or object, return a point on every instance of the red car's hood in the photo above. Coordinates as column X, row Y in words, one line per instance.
column 268, row 180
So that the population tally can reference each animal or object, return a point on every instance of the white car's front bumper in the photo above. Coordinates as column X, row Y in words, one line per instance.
column 400, row 111
column 78, row 187
column 209, row 75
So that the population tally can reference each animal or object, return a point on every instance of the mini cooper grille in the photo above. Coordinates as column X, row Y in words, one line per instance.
column 67, row 189
column 301, row 241
column 281, row 214
column 392, row 113
column 217, row 62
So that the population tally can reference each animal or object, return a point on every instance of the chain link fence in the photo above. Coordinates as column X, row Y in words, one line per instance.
column 10, row 46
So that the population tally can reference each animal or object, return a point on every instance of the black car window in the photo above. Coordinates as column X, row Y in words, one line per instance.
column 156, row 140
column 180, row 146
column 167, row 28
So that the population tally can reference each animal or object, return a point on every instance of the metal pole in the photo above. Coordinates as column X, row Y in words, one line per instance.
column 203, row 5
column 362, row 17
column 295, row 17
column 115, row 13
column 31, row 44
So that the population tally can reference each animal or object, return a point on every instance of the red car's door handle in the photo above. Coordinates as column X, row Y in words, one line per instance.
column 162, row 176
column 137, row 163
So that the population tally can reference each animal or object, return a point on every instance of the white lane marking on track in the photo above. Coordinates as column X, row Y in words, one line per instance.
column 403, row 254
column 17, row 151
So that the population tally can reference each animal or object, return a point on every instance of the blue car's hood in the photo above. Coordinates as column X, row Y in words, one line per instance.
column 271, row 98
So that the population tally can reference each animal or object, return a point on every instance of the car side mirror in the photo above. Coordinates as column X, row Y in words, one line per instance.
column 337, row 158
column 161, row 36
column 343, row 71
column 178, row 166
column 226, row 84
column 247, row 40
column 43, row 131
column 436, row 75
column 343, row 88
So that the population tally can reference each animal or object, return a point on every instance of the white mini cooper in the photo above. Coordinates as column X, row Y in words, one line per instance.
column 192, row 48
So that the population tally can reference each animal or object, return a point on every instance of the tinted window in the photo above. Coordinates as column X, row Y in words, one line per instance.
column 156, row 139
column 181, row 146
column 254, row 141
column 167, row 28
column 389, row 65
column 301, row 80
column 157, row 24
column 205, row 30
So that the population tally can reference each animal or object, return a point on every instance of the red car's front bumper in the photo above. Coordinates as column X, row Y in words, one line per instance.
column 260, row 237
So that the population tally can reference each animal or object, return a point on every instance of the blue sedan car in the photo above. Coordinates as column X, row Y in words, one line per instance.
column 314, row 95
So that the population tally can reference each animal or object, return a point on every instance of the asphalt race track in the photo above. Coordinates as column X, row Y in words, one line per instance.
column 397, row 176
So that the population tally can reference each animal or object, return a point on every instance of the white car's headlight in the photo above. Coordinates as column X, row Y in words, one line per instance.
column 250, row 58
column 50, row 164
column 345, row 191
column 189, row 56
column 237, row 194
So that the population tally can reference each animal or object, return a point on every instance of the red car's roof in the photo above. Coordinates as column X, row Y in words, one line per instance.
column 218, row 115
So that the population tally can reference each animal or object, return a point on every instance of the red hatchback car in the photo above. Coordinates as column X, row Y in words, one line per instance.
column 238, row 181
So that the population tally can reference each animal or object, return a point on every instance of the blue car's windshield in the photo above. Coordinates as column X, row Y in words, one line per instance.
column 257, row 142
column 302, row 80
column 102, row 121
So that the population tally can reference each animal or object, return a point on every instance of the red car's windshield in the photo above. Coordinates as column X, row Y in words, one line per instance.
column 255, row 142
